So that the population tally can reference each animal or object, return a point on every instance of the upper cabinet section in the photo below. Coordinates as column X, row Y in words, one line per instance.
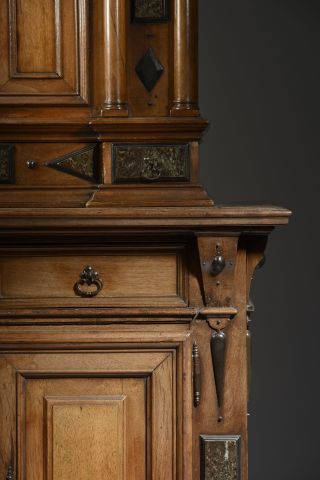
column 78, row 60
column 44, row 46
column 145, row 58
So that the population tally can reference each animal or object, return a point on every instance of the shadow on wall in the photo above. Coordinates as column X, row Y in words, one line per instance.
column 259, row 87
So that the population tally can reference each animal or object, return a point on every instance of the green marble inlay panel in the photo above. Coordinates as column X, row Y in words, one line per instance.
column 81, row 163
column 6, row 163
column 149, row 10
column 220, row 457
column 150, row 163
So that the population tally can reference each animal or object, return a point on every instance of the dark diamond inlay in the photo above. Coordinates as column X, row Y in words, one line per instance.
column 149, row 69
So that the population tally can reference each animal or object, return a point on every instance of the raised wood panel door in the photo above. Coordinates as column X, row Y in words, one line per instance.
column 44, row 49
column 101, row 411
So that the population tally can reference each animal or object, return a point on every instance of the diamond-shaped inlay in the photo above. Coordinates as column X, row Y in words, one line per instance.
column 149, row 69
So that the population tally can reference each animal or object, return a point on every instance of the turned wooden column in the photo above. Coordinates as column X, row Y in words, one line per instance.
column 110, row 81
column 185, row 59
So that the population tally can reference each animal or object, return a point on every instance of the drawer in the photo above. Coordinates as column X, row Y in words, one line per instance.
column 138, row 277
column 49, row 164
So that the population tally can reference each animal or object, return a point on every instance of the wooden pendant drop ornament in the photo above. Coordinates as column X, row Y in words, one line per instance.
column 218, row 351
column 10, row 475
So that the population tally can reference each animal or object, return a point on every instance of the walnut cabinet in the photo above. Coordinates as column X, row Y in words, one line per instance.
column 125, row 344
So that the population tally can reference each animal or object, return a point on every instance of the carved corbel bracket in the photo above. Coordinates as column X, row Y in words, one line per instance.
column 218, row 257
column 255, row 247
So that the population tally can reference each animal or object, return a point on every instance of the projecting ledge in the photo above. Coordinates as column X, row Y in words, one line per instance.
column 242, row 217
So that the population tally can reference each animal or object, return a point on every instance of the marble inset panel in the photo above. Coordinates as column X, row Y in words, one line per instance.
column 149, row 10
column 6, row 163
column 150, row 163
column 81, row 163
column 220, row 457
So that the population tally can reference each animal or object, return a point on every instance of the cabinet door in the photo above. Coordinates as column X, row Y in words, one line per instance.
column 44, row 52
column 109, row 413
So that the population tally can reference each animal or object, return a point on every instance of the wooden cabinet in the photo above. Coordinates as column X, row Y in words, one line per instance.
column 124, row 291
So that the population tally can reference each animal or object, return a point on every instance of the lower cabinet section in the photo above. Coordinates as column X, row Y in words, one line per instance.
column 117, row 407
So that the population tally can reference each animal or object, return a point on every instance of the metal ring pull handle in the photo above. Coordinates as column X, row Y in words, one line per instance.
column 88, row 277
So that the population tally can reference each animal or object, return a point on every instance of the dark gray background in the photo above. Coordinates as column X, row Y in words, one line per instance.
column 259, row 87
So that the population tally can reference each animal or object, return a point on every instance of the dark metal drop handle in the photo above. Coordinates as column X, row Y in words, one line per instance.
column 196, row 375
column 10, row 473
column 88, row 277
column 218, row 265
column 218, row 352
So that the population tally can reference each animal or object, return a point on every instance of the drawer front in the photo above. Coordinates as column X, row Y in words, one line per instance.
column 123, row 279
column 49, row 164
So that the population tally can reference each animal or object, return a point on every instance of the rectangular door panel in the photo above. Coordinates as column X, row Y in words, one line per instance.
column 35, row 51
column 110, row 413
column 79, row 428
column 90, row 434
column 44, row 47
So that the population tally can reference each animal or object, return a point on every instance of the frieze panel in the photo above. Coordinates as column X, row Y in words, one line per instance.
column 150, row 163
